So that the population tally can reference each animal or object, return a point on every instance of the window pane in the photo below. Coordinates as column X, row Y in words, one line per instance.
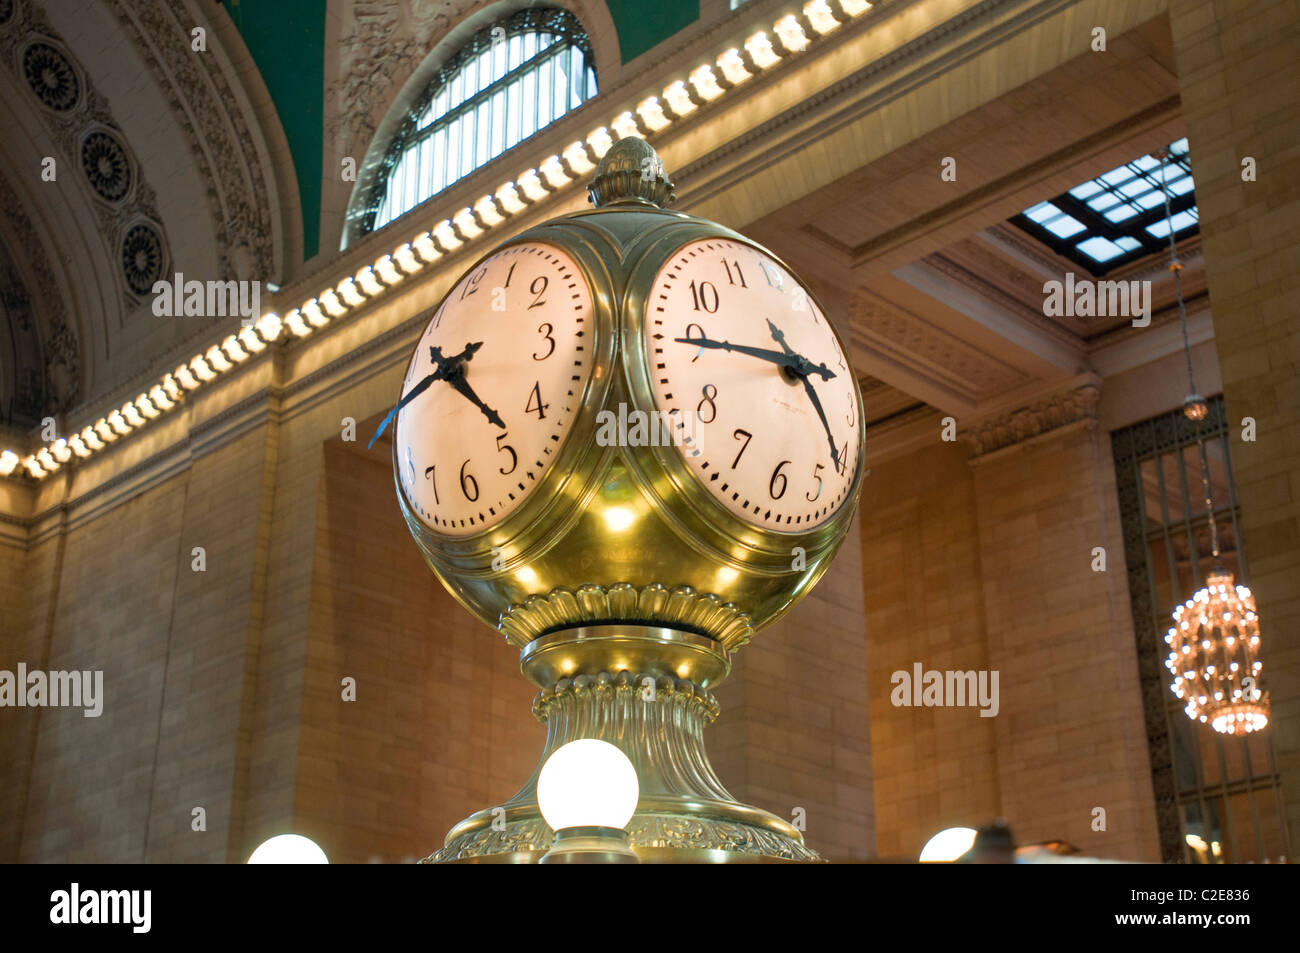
column 453, row 151
column 476, row 113
column 498, row 122
column 482, row 128
column 529, row 106
column 426, row 167
column 513, row 117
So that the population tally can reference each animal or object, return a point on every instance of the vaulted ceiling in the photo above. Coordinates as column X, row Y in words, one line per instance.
column 98, row 99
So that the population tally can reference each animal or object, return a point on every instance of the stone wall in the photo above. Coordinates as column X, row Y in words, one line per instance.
column 1239, row 68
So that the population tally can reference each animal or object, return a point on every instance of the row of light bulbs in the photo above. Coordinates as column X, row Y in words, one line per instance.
column 790, row 34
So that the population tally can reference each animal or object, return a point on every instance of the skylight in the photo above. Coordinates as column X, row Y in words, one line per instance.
column 1118, row 216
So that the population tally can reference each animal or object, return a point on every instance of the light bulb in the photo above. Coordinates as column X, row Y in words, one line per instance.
column 587, row 783
column 947, row 845
column 288, row 849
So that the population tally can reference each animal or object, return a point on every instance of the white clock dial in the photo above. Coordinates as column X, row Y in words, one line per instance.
column 476, row 441
column 741, row 359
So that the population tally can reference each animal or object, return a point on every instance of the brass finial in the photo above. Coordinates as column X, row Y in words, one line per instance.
column 631, row 171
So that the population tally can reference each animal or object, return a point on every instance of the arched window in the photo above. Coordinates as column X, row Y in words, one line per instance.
column 511, row 79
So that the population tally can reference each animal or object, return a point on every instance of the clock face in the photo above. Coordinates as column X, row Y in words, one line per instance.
column 754, row 384
column 510, row 349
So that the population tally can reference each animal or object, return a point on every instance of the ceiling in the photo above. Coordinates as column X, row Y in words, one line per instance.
column 940, row 295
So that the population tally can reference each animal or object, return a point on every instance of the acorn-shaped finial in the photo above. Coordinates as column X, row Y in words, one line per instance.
column 631, row 172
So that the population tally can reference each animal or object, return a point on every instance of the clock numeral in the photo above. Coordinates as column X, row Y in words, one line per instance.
column 432, row 477
column 736, row 436
column 771, row 485
column 471, row 286
column 851, row 416
column 708, row 399
column 533, row 289
column 689, row 336
column 739, row 274
column 844, row 459
column 535, row 404
column 550, row 340
column 702, row 295
column 509, row 273
column 817, row 477
column 466, row 482
column 514, row 457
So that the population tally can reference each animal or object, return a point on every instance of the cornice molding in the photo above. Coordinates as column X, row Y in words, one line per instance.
column 1074, row 404
column 895, row 334
column 975, row 281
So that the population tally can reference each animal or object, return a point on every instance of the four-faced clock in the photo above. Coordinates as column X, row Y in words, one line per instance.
column 493, row 388
column 744, row 363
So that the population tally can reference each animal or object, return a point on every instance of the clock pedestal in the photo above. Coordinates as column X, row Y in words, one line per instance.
column 645, row 689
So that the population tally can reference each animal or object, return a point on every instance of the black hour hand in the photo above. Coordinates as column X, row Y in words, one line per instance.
column 458, row 381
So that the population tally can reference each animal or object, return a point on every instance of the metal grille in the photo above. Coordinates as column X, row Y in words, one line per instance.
column 1218, row 799
column 510, row 80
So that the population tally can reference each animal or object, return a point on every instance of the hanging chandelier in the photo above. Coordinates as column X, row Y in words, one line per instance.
column 1214, row 641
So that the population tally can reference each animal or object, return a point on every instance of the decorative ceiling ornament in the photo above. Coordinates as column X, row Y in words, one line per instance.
column 106, row 165
column 143, row 257
column 51, row 76
column 1214, row 641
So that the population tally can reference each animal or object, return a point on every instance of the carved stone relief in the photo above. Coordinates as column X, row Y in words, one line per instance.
column 221, row 143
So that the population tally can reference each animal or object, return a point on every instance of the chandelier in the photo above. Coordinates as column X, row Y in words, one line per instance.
column 1214, row 641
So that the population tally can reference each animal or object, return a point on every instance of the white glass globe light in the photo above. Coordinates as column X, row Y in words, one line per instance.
column 947, row 845
column 288, row 849
column 587, row 783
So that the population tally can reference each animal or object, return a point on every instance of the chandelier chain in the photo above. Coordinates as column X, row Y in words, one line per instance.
column 1176, row 267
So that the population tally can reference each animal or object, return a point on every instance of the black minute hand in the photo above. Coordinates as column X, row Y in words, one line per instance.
column 817, row 406
column 790, row 360
column 804, row 371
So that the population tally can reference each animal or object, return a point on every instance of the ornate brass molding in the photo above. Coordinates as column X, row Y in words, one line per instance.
column 655, row 604
column 657, row 719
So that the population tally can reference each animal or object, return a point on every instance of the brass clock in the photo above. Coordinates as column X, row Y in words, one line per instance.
column 629, row 438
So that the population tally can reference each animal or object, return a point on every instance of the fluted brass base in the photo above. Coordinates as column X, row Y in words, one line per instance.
column 644, row 689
